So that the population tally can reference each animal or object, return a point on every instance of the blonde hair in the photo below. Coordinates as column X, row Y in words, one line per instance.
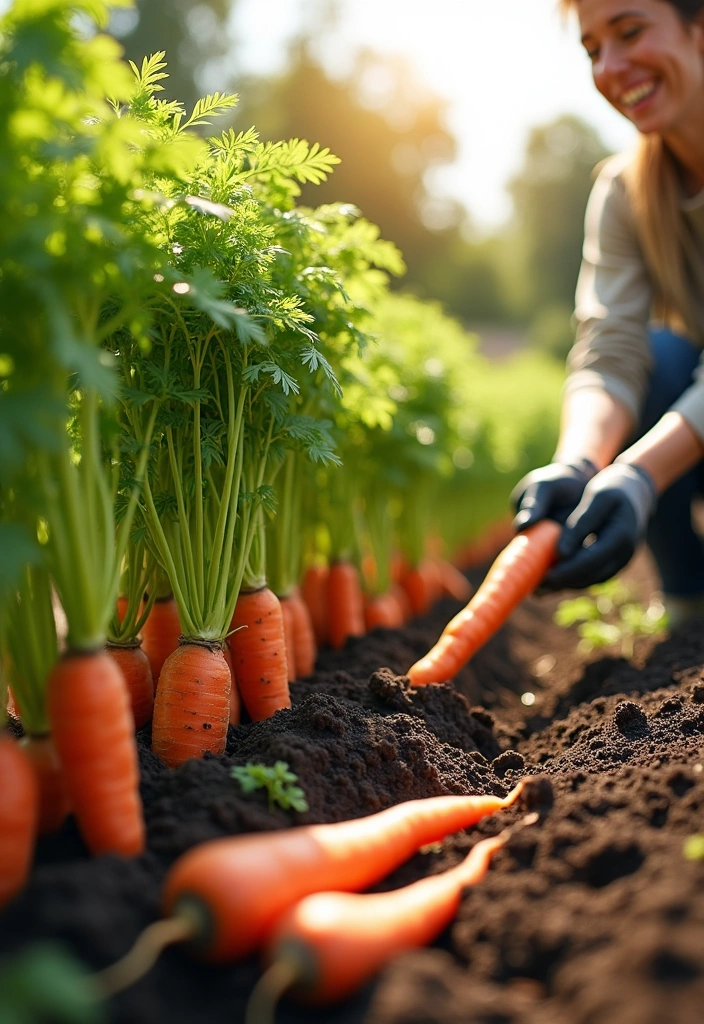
column 654, row 190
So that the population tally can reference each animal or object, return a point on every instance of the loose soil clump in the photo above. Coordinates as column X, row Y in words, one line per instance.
column 590, row 916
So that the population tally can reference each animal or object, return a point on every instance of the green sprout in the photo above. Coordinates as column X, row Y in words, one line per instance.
column 279, row 782
column 607, row 615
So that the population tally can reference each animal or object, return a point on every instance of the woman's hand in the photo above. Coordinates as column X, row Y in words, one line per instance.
column 551, row 492
column 614, row 509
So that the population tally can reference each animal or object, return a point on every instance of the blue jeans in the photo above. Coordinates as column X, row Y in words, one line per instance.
column 678, row 550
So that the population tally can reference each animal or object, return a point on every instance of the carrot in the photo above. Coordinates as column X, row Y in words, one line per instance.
column 259, row 653
column 401, row 598
column 238, row 887
column 345, row 603
column 453, row 582
column 160, row 634
column 93, row 729
column 336, row 941
column 11, row 707
column 303, row 636
column 382, row 611
column 516, row 573
column 235, row 703
column 423, row 585
column 289, row 629
column 134, row 665
column 53, row 801
column 192, row 705
column 314, row 592
column 19, row 811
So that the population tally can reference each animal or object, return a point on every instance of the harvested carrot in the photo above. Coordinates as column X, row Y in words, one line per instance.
column 289, row 630
column 259, row 653
column 304, row 644
column 345, row 603
column 160, row 634
column 238, row 887
column 235, row 703
column 19, row 812
column 192, row 705
column 336, row 941
column 93, row 729
column 514, row 575
column 54, row 804
column 134, row 665
column 314, row 591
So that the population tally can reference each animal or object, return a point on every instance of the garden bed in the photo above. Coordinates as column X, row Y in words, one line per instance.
column 592, row 917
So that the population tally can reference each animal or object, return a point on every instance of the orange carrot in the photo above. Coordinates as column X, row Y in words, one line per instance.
column 314, row 591
column 192, row 705
column 453, row 582
column 54, row 803
column 259, row 653
column 401, row 598
column 93, row 729
column 160, row 634
column 423, row 585
column 289, row 629
column 336, row 941
column 303, row 636
column 382, row 611
column 134, row 665
column 516, row 573
column 345, row 603
column 19, row 811
column 241, row 885
column 235, row 703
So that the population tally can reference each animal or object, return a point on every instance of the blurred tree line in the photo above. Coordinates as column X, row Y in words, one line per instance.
column 390, row 134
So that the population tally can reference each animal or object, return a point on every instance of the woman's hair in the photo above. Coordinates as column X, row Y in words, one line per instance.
column 654, row 190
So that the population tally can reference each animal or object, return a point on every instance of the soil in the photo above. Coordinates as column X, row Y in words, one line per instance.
column 591, row 916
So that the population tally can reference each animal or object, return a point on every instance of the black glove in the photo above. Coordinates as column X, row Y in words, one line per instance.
column 550, row 492
column 616, row 506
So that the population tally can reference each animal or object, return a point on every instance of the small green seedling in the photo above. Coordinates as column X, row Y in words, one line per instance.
column 694, row 847
column 279, row 782
column 608, row 615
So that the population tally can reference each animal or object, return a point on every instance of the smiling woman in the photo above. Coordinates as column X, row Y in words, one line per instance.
column 636, row 368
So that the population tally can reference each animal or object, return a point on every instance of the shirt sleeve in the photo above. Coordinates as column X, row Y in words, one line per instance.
column 690, row 404
column 614, row 297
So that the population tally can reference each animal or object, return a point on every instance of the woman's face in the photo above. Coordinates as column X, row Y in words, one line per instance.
column 646, row 61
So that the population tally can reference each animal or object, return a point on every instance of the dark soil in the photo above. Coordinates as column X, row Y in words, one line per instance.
column 591, row 916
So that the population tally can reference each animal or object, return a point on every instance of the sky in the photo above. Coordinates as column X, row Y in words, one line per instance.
column 503, row 66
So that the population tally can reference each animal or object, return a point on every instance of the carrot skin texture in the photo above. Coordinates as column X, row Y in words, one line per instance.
column 289, row 629
column 192, row 706
column 348, row 937
column 247, row 882
column 134, row 665
column 259, row 653
column 345, row 604
column 54, row 804
column 304, row 645
column 93, row 730
column 513, row 576
column 235, row 703
column 19, row 815
column 314, row 587
column 160, row 634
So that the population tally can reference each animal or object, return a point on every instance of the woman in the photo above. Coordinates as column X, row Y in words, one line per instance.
column 636, row 378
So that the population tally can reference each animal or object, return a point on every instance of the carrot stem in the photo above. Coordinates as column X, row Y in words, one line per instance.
column 274, row 982
column 144, row 953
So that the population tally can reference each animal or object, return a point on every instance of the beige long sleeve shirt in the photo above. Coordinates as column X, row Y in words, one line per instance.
column 615, row 300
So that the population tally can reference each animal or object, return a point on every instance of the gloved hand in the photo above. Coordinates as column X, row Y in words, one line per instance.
column 615, row 506
column 550, row 492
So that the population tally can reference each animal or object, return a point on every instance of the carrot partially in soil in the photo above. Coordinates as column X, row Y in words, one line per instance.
column 289, row 630
column 53, row 802
column 382, row 611
column 235, row 702
column 345, row 603
column 192, row 705
column 238, row 887
column 333, row 942
column 513, row 576
column 259, row 653
column 93, row 729
column 160, row 634
column 304, row 645
column 19, row 812
column 314, row 587
column 134, row 665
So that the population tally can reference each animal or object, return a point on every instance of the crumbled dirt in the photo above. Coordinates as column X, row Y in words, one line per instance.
column 592, row 915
